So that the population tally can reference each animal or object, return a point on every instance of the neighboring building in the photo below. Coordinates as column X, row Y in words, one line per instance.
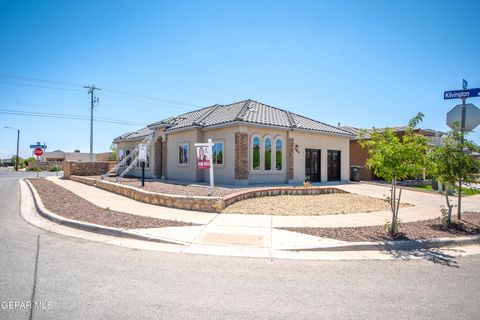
column 104, row 156
column 359, row 155
column 6, row 162
column 60, row 156
column 254, row 143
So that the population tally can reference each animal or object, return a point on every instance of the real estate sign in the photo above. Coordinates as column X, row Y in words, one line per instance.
column 204, row 158
column 142, row 152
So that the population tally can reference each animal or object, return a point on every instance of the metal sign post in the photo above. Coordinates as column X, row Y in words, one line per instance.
column 205, row 160
column 462, row 94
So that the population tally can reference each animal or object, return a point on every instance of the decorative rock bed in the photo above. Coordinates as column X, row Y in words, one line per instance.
column 282, row 191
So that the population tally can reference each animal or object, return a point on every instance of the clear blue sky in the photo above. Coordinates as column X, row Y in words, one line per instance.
column 361, row 63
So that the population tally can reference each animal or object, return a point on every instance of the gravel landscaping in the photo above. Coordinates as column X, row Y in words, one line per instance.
column 336, row 203
column 171, row 188
column 67, row 204
column 428, row 229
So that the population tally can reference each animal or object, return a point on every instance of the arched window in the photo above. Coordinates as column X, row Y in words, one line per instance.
column 268, row 154
column 256, row 153
column 278, row 154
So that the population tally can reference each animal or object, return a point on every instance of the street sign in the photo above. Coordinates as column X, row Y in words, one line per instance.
column 472, row 117
column 38, row 152
column 38, row 145
column 461, row 94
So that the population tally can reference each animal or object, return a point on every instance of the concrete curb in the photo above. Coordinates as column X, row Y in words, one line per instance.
column 348, row 246
column 91, row 227
column 399, row 244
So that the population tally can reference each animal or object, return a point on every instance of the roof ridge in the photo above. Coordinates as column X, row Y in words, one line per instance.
column 243, row 110
column 292, row 122
column 325, row 124
column 203, row 117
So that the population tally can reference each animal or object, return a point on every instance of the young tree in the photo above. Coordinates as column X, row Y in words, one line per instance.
column 454, row 160
column 113, row 152
column 395, row 158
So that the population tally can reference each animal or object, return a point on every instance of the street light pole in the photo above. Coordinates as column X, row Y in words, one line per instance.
column 18, row 141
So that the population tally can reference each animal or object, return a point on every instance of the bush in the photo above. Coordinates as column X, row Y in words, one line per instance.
column 53, row 169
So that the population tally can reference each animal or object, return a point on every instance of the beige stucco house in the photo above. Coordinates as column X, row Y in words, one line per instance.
column 254, row 143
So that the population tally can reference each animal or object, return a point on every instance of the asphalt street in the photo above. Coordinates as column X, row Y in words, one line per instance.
column 71, row 278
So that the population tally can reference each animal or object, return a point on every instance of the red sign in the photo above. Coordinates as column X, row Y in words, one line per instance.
column 203, row 158
column 38, row 152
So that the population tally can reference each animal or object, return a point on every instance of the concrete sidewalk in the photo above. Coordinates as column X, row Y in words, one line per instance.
column 425, row 206
column 224, row 237
column 261, row 231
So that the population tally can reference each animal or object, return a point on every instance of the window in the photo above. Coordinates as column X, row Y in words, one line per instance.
column 183, row 153
column 127, row 152
column 268, row 154
column 217, row 150
column 120, row 155
column 278, row 154
column 256, row 153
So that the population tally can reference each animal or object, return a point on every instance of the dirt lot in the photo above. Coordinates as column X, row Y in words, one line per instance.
column 428, row 229
column 337, row 203
column 67, row 204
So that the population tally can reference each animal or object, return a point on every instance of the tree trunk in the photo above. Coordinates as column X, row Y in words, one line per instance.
column 449, row 206
column 394, row 209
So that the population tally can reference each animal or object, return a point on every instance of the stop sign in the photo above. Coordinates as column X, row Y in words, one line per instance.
column 38, row 152
column 472, row 116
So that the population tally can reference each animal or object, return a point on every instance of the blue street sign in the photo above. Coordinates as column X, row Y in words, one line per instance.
column 38, row 145
column 462, row 94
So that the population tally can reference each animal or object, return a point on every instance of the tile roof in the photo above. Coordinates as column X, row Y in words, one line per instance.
column 249, row 111
column 134, row 134
column 398, row 129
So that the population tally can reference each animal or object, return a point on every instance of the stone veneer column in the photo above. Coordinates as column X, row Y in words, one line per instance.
column 290, row 147
column 241, row 156
column 164, row 157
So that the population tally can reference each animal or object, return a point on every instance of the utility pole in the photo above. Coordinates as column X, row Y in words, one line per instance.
column 93, row 100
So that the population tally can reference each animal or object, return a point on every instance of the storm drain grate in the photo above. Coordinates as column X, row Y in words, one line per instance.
column 228, row 238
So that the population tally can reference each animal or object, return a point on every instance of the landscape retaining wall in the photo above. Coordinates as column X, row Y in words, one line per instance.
column 284, row 191
column 86, row 168
column 207, row 204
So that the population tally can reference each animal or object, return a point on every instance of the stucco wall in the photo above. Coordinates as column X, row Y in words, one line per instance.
column 189, row 171
column 306, row 140
column 136, row 171
column 224, row 173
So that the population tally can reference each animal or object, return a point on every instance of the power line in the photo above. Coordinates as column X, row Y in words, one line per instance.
column 151, row 98
column 69, row 117
column 38, row 86
column 64, row 83
column 145, row 102
column 39, row 105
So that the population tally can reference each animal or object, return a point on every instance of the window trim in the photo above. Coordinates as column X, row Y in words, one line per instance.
column 265, row 137
column 279, row 138
column 188, row 154
column 219, row 141
column 256, row 135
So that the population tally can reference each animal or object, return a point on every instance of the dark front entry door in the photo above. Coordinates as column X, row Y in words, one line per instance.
column 312, row 165
column 333, row 163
